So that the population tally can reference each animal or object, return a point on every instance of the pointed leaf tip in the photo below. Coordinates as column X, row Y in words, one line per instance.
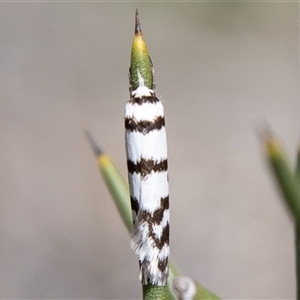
column 138, row 29
column 96, row 149
column 140, row 60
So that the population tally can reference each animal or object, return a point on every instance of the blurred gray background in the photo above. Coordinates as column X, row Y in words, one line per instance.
column 223, row 70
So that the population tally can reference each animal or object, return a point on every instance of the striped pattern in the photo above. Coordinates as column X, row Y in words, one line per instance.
column 147, row 164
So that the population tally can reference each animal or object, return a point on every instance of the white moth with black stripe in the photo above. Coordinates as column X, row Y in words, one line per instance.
column 146, row 149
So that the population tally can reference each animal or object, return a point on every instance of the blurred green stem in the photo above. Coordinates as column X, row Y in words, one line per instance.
column 289, row 184
column 297, row 171
column 284, row 175
column 297, row 242
column 297, row 229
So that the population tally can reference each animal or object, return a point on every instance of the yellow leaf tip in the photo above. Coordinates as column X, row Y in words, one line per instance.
column 272, row 145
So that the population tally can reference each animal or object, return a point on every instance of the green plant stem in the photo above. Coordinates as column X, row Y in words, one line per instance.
column 203, row 293
column 154, row 292
column 114, row 181
column 284, row 176
column 140, row 59
column 109, row 171
column 289, row 185
column 297, row 171
column 297, row 229
column 297, row 244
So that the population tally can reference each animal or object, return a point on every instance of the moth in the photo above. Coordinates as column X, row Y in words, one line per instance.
column 146, row 149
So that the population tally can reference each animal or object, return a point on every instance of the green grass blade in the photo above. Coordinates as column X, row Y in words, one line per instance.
column 114, row 181
column 283, row 174
column 203, row 293
column 297, row 244
column 297, row 172
column 297, row 228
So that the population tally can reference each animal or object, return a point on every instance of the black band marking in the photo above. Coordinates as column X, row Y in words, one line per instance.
column 145, row 166
column 163, row 264
column 144, row 99
column 159, row 213
column 134, row 205
column 144, row 126
column 164, row 239
column 155, row 218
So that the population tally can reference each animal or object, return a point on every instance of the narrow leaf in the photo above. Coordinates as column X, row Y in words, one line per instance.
column 115, row 183
column 283, row 174
column 297, row 172
column 297, row 246
column 140, row 59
